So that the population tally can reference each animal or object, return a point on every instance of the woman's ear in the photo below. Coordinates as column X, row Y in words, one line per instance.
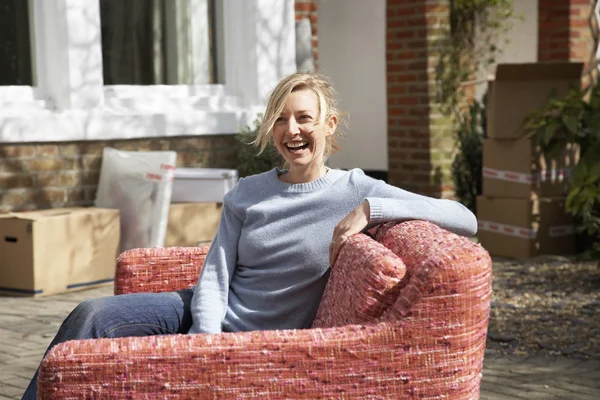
column 331, row 125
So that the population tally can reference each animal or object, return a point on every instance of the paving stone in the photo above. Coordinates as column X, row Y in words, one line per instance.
column 540, row 378
column 14, row 380
column 11, row 391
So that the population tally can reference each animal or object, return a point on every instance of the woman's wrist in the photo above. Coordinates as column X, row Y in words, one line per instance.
column 366, row 207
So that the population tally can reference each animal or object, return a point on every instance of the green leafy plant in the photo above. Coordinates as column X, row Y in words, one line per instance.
column 559, row 122
column 575, row 119
column 470, row 44
column 249, row 161
column 467, row 164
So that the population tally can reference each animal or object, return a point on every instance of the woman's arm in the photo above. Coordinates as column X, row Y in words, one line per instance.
column 447, row 214
column 209, row 303
column 381, row 202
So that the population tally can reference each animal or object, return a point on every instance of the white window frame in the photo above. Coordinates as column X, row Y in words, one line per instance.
column 69, row 102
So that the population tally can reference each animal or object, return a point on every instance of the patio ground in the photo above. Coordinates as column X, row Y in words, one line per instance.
column 542, row 344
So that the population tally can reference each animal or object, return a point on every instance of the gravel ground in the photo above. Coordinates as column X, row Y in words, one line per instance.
column 546, row 306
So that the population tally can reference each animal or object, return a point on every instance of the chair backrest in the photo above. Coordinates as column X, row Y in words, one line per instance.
column 412, row 272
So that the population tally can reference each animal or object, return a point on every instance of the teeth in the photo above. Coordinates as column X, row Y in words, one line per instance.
column 295, row 145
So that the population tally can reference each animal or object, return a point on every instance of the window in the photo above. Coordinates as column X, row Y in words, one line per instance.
column 157, row 42
column 15, row 46
column 124, row 69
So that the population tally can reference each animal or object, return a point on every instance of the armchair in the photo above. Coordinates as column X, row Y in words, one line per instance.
column 404, row 315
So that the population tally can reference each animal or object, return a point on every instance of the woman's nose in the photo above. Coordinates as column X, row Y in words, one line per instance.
column 293, row 128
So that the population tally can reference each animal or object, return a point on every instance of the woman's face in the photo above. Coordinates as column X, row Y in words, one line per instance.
column 296, row 133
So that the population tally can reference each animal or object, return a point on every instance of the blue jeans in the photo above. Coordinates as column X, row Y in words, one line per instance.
column 139, row 314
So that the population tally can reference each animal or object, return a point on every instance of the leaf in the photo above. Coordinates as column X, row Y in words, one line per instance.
column 555, row 149
column 549, row 133
column 570, row 123
column 595, row 122
column 580, row 173
column 572, row 198
column 594, row 174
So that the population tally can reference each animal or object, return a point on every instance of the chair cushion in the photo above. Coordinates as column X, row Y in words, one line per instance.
column 364, row 282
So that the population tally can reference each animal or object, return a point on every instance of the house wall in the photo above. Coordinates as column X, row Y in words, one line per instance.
column 566, row 30
column 420, row 137
column 352, row 45
column 519, row 44
column 51, row 174
column 308, row 9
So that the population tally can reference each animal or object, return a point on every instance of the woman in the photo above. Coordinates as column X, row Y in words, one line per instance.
column 279, row 233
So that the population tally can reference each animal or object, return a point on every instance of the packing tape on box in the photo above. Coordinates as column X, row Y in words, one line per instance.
column 520, row 177
column 554, row 174
column 170, row 173
column 524, row 233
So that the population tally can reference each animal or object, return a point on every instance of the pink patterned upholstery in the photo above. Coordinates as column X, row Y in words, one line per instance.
column 365, row 281
column 408, row 322
column 158, row 269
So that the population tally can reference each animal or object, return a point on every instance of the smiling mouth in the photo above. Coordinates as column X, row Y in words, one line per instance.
column 297, row 146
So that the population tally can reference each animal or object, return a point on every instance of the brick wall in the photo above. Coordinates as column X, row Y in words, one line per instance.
column 566, row 30
column 420, row 140
column 308, row 9
column 35, row 175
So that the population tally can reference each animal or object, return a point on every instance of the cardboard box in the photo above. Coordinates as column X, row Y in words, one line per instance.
column 58, row 250
column 192, row 224
column 202, row 184
column 520, row 228
column 511, row 169
column 520, row 89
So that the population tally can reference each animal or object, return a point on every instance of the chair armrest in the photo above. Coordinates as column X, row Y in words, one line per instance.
column 354, row 361
column 158, row 269
column 365, row 280
column 449, row 282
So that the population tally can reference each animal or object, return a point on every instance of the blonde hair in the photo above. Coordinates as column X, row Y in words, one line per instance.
column 326, row 98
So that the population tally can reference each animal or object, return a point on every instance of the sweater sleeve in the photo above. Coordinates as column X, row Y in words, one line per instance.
column 209, row 302
column 389, row 203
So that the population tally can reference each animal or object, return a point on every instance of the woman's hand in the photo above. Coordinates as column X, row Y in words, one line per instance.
column 351, row 224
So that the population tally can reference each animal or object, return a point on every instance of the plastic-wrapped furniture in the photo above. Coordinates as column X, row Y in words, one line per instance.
column 404, row 315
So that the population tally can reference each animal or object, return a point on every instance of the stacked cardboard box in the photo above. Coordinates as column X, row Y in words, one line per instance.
column 57, row 250
column 192, row 224
column 196, row 205
column 521, row 212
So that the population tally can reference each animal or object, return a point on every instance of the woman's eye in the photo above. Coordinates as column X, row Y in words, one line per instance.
column 279, row 120
column 305, row 117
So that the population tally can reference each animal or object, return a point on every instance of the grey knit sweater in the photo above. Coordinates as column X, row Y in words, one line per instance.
column 268, row 264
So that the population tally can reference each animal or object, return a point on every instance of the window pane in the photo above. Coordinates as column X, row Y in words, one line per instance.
column 15, row 46
column 154, row 42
